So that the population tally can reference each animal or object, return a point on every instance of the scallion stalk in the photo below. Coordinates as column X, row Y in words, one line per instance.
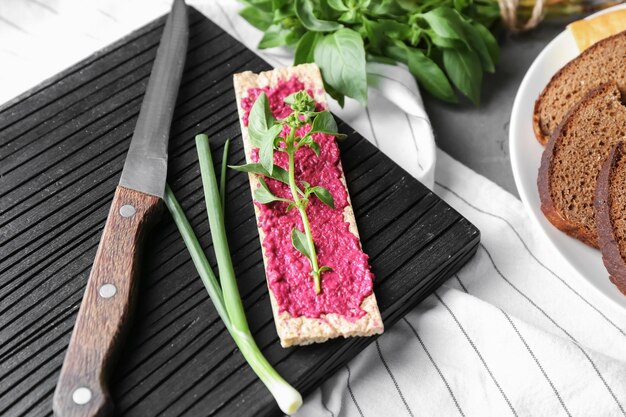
column 223, row 174
column 226, row 297
column 197, row 255
column 288, row 399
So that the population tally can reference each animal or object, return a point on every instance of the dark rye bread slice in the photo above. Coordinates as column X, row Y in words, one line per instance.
column 603, row 62
column 610, row 205
column 572, row 160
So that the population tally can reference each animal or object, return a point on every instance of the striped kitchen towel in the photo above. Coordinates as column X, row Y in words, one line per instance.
column 515, row 332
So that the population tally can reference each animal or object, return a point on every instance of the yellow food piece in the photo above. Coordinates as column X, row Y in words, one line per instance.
column 589, row 31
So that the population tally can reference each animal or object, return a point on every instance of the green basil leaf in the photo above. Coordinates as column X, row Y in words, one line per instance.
column 263, row 194
column 381, row 59
column 257, row 18
column 300, row 101
column 429, row 75
column 478, row 45
column 324, row 195
column 341, row 57
column 337, row 5
column 266, row 150
column 352, row 16
column 279, row 4
column 390, row 8
column 324, row 122
column 379, row 32
column 486, row 14
column 334, row 94
column 261, row 5
column 315, row 147
column 275, row 36
column 300, row 242
column 306, row 48
column 304, row 11
column 446, row 23
column 463, row 68
column 393, row 28
column 459, row 5
column 408, row 5
column 278, row 173
column 490, row 42
column 260, row 120
column 444, row 42
column 325, row 269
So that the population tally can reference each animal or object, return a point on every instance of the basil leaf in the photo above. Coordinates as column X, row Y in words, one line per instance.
column 300, row 242
column 278, row 4
column 304, row 11
column 278, row 173
column 315, row 147
column 261, row 5
column 306, row 48
column 463, row 68
column 459, row 5
column 444, row 42
column 334, row 94
column 490, row 42
column 257, row 17
column 275, row 36
column 266, row 150
column 341, row 57
column 446, row 23
column 263, row 194
column 260, row 120
column 324, row 122
column 478, row 45
column 390, row 8
column 324, row 195
column 379, row 32
column 352, row 16
column 337, row 5
column 429, row 75
column 300, row 101
column 393, row 28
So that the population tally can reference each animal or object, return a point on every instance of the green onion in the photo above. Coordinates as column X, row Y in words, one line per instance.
column 226, row 297
column 223, row 175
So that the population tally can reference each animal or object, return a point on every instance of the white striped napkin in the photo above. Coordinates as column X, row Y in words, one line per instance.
column 515, row 332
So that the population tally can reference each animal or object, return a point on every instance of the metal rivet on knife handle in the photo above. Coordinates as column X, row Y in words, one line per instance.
column 107, row 290
column 81, row 396
column 127, row 210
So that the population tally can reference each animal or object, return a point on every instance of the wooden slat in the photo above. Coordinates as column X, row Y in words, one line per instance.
column 62, row 147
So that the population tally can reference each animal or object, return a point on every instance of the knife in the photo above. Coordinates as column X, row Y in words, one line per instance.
column 82, row 389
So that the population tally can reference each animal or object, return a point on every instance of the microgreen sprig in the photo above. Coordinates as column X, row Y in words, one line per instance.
column 264, row 130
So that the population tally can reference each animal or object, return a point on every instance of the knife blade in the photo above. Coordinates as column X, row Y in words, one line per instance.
column 83, row 385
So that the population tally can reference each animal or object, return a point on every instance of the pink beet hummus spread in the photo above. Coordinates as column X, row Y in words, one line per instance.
column 288, row 271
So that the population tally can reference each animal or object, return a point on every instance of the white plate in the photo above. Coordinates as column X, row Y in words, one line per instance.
column 526, row 157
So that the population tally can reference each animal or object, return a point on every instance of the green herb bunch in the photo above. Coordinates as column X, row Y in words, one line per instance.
column 264, row 130
column 442, row 42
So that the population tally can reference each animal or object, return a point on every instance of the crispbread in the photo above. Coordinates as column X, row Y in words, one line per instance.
column 601, row 63
column 305, row 330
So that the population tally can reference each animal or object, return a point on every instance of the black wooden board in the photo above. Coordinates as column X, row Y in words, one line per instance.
column 62, row 147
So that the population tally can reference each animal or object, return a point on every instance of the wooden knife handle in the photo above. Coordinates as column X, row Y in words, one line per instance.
column 82, row 389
